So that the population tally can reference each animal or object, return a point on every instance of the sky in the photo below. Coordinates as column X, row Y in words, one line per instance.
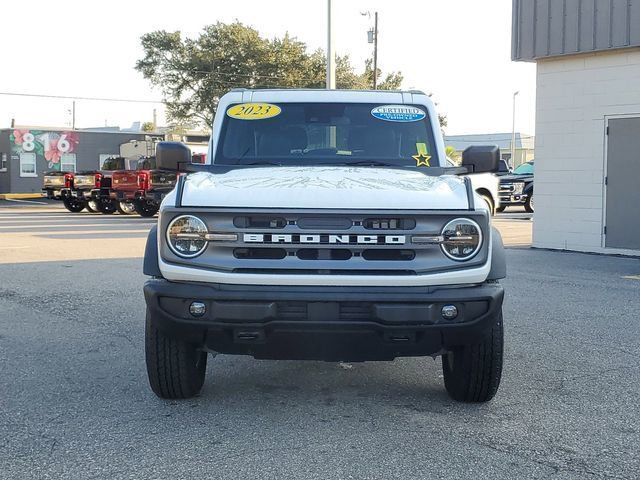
column 458, row 50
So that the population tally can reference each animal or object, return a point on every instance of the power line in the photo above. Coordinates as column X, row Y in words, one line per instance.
column 65, row 97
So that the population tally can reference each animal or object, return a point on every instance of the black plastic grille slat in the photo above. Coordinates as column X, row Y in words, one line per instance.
column 301, row 271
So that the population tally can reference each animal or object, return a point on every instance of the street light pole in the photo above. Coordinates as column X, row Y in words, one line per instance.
column 375, row 52
column 513, row 131
column 331, row 57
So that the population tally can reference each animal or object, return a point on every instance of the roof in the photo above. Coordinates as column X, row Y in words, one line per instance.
column 502, row 140
column 550, row 28
column 325, row 95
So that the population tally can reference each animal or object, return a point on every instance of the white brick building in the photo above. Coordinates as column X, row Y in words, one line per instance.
column 587, row 178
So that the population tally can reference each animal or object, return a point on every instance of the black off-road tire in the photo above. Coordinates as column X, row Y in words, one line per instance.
column 490, row 205
column 74, row 205
column 529, row 205
column 145, row 208
column 92, row 206
column 176, row 369
column 472, row 372
column 500, row 209
column 106, row 206
column 126, row 208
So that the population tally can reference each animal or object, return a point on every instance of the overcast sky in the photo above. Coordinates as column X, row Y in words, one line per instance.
column 459, row 50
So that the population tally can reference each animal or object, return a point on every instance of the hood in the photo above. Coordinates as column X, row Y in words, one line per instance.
column 516, row 178
column 323, row 187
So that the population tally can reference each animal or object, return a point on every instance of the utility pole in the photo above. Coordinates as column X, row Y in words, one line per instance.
column 513, row 131
column 73, row 115
column 155, row 119
column 375, row 52
column 331, row 56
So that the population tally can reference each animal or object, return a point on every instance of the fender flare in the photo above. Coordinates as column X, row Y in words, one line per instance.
column 498, row 257
column 150, row 264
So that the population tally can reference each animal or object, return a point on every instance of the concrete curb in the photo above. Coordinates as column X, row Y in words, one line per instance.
column 11, row 196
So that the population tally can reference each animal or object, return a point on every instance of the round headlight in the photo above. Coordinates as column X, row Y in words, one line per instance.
column 186, row 236
column 462, row 239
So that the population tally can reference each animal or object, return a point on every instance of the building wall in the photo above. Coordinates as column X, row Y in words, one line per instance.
column 574, row 96
column 87, row 146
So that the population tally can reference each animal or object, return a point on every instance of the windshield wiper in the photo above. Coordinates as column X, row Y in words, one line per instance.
column 261, row 163
column 370, row 163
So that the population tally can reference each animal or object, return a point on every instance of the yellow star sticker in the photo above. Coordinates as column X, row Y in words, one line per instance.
column 422, row 159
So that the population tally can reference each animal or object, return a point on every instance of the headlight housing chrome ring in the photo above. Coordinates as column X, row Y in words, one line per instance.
column 462, row 239
column 186, row 236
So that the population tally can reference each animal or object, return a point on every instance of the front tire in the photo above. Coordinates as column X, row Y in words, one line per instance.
column 176, row 369
column 500, row 209
column 145, row 208
column 472, row 372
column 528, row 205
column 489, row 201
column 74, row 205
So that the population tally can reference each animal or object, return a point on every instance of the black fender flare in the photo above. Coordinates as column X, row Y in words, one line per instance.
column 150, row 264
column 498, row 257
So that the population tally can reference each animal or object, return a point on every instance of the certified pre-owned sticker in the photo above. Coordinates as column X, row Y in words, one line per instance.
column 398, row 113
column 253, row 111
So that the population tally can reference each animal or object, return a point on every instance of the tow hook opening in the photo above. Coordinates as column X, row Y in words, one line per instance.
column 248, row 336
column 400, row 337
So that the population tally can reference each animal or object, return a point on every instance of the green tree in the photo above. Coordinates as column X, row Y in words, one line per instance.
column 194, row 73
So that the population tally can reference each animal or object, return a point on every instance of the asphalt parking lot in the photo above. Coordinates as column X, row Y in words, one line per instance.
column 75, row 402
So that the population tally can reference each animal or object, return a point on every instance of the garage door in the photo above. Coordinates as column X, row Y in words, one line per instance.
column 623, row 184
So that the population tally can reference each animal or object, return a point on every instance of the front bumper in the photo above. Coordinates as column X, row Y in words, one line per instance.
column 506, row 200
column 323, row 323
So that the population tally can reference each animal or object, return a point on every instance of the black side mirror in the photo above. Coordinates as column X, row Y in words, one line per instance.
column 481, row 158
column 172, row 156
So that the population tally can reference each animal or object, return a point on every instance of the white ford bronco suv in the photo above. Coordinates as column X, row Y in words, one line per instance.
column 325, row 225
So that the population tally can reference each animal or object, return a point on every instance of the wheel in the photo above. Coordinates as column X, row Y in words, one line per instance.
column 528, row 205
column 146, row 208
column 472, row 372
column 106, row 206
column 500, row 209
column 489, row 201
column 176, row 369
column 74, row 205
column 92, row 206
column 126, row 208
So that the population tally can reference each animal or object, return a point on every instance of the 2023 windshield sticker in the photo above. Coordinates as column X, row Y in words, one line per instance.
column 254, row 111
column 398, row 113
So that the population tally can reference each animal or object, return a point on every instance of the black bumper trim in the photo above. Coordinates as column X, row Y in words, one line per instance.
column 324, row 323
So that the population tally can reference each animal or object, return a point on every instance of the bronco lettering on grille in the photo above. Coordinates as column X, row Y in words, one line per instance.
column 325, row 239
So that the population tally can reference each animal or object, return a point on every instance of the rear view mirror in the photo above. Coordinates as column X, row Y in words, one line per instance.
column 481, row 158
column 172, row 156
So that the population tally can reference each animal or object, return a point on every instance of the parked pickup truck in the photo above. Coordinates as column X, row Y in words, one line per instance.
column 325, row 225
column 517, row 188
column 100, row 193
column 54, row 182
column 143, row 187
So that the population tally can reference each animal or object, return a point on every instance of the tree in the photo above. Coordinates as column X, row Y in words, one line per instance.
column 148, row 127
column 194, row 73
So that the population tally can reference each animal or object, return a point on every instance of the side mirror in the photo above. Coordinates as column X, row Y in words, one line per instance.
column 481, row 159
column 172, row 156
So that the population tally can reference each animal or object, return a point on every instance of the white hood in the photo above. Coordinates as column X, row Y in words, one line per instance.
column 325, row 187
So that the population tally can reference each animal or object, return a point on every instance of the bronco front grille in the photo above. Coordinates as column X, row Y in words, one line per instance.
column 324, row 243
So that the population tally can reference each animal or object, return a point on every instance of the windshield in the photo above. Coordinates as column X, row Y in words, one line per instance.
column 326, row 133
column 524, row 169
